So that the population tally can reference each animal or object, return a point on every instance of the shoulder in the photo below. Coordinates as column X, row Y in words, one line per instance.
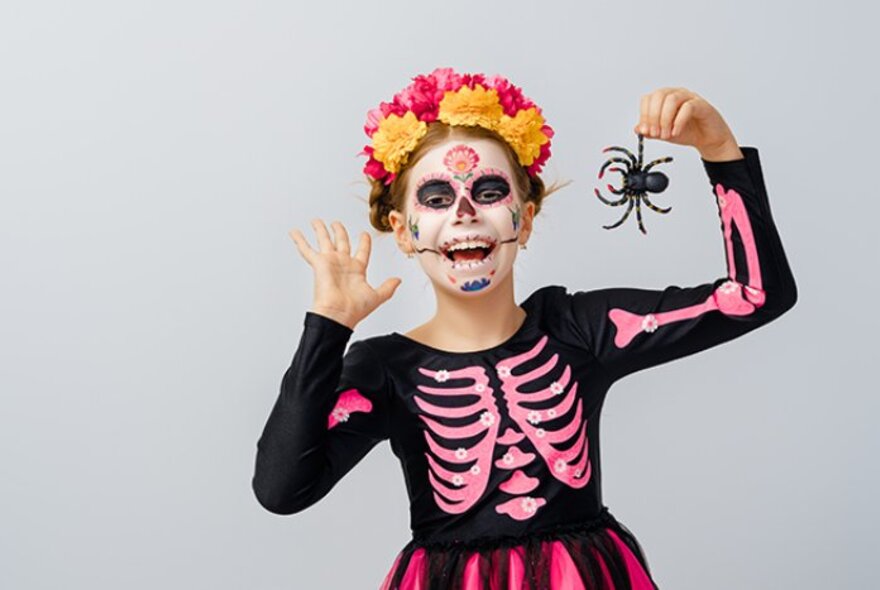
column 554, row 309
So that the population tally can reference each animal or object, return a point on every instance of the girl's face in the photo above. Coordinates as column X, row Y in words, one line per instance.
column 463, row 215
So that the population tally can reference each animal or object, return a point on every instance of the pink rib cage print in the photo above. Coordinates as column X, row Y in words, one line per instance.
column 456, row 491
column 730, row 298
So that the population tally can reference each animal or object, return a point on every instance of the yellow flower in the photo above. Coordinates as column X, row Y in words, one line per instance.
column 467, row 106
column 395, row 138
column 523, row 133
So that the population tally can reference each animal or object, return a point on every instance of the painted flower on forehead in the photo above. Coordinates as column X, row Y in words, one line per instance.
column 395, row 138
column 461, row 159
column 471, row 106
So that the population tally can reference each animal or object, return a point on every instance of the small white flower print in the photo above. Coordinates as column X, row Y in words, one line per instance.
column 529, row 504
column 560, row 466
column 457, row 480
column 649, row 323
column 534, row 417
column 341, row 414
column 728, row 287
column 722, row 202
column 461, row 453
column 577, row 472
column 487, row 418
column 441, row 375
column 551, row 412
column 507, row 458
column 556, row 387
column 503, row 371
column 479, row 387
column 540, row 433
column 475, row 470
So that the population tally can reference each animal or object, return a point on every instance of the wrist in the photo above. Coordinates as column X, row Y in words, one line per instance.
column 726, row 151
column 336, row 316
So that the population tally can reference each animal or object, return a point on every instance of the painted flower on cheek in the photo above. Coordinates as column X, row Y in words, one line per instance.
column 461, row 159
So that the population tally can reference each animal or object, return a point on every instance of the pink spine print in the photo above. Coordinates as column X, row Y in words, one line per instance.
column 349, row 401
column 548, row 427
column 730, row 298
column 456, row 490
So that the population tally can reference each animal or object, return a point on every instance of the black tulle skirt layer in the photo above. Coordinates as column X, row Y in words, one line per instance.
column 598, row 555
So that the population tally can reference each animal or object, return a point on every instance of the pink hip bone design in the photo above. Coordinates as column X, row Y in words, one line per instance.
column 730, row 298
column 456, row 491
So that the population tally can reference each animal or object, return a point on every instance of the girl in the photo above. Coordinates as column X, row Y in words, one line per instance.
column 493, row 408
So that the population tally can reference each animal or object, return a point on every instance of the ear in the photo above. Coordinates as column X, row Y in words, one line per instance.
column 400, row 229
column 527, row 221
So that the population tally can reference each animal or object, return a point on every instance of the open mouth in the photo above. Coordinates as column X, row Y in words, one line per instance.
column 469, row 251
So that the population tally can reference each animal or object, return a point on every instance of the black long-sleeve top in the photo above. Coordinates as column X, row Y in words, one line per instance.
column 503, row 442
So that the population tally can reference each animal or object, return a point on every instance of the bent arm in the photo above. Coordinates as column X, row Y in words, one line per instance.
column 632, row 329
column 331, row 410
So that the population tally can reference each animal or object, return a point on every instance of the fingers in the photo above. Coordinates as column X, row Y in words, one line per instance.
column 658, row 112
column 684, row 115
column 323, row 236
column 364, row 246
column 302, row 245
column 342, row 244
column 387, row 289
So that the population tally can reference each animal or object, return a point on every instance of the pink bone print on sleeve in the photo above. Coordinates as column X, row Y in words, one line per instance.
column 730, row 298
column 455, row 491
column 349, row 401
column 534, row 417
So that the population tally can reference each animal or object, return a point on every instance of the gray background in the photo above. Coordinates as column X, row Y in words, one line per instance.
column 153, row 156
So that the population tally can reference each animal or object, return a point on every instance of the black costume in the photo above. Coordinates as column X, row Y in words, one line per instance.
column 500, row 447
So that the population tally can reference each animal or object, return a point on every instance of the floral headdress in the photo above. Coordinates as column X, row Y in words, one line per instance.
column 492, row 102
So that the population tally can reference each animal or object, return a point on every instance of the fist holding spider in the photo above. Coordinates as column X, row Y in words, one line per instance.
column 678, row 116
column 683, row 117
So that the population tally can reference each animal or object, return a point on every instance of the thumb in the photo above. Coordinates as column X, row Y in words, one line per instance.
column 388, row 288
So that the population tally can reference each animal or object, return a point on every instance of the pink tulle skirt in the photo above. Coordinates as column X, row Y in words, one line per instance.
column 592, row 558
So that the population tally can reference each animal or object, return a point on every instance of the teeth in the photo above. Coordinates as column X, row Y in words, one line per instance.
column 474, row 242
column 469, row 244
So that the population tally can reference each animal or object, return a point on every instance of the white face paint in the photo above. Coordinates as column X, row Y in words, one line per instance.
column 463, row 192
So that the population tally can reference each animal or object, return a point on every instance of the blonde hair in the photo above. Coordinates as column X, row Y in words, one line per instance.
column 386, row 198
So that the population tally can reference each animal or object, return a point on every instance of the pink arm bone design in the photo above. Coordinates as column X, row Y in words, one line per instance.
column 730, row 298
column 456, row 491
column 349, row 401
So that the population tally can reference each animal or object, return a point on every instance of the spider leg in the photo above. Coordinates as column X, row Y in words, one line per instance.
column 622, row 219
column 611, row 161
column 655, row 207
column 621, row 190
column 617, row 148
column 641, row 150
column 638, row 200
column 655, row 162
column 620, row 201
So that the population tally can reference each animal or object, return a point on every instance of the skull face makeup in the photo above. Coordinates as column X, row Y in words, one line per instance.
column 463, row 214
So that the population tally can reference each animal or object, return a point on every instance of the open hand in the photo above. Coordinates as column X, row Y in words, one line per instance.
column 683, row 117
column 341, row 289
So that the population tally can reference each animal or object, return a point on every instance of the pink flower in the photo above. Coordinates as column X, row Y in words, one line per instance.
column 461, row 159
column 446, row 79
column 373, row 118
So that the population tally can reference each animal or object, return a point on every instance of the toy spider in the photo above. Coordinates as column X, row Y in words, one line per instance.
column 637, row 182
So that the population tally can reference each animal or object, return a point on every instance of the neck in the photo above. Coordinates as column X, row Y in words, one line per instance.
column 475, row 322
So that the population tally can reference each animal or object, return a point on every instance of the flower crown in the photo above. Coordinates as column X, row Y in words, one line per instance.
column 492, row 102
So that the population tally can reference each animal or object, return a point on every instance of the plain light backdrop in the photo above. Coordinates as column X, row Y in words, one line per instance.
column 154, row 155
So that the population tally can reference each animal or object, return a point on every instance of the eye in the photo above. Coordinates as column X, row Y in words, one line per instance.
column 437, row 194
column 489, row 189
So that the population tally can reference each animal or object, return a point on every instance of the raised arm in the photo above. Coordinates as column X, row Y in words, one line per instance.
column 332, row 409
column 631, row 329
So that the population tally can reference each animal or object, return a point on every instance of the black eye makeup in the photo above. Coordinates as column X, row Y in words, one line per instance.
column 489, row 188
column 436, row 194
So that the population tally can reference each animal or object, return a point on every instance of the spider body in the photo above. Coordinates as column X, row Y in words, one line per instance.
column 638, row 181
